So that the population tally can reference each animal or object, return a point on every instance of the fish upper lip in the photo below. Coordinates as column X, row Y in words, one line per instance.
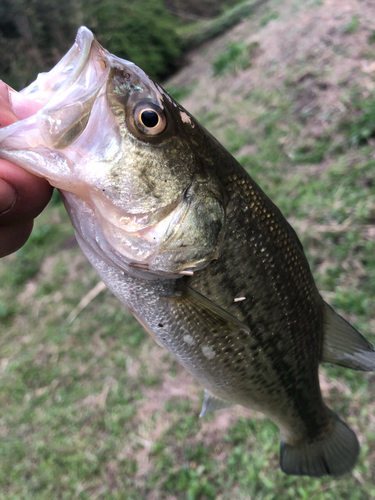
column 77, row 78
column 63, row 76
column 84, row 40
column 77, row 61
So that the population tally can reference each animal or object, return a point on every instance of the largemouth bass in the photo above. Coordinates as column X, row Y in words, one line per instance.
column 186, row 239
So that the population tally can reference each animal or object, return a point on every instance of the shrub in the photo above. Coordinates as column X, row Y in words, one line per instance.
column 141, row 31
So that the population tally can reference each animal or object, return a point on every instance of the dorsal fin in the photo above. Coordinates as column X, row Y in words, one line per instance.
column 344, row 345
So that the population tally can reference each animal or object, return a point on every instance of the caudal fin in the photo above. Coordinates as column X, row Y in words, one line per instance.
column 333, row 453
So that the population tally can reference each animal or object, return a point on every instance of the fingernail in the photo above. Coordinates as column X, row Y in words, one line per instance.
column 21, row 106
column 8, row 197
column 7, row 113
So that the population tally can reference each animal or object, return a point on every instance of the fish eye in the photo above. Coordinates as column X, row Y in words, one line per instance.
column 149, row 120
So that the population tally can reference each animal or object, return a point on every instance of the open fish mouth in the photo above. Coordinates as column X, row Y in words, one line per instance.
column 69, row 90
column 67, row 95
column 66, row 72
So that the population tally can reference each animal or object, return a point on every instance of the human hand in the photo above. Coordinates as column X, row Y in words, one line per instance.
column 22, row 195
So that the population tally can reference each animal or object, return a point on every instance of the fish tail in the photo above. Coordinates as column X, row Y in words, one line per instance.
column 332, row 453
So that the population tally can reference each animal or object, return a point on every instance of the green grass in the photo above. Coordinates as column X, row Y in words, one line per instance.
column 180, row 93
column 361, row 129
column 75, row 422
column 371, row 38
column 352, row 26
column 268, row 18
column 237, row 57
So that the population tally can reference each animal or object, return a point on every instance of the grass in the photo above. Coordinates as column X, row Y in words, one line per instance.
column 361, row 129
column 268, row 18
column 74, row 395
column 237, row 57
column 95, row 410
column 352, row 26
column 179, row 93
column 371, row 38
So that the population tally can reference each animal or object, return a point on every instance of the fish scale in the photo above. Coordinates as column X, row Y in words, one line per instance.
column 187, row 240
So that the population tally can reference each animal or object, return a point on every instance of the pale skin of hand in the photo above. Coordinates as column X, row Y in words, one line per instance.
column 22, row 195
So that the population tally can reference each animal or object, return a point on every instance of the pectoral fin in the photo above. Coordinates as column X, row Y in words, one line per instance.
column 344, row 346
column 205, row 330
column 212, row 403
column 203, row 308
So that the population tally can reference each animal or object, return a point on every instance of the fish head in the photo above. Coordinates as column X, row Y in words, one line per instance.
column 126, row 158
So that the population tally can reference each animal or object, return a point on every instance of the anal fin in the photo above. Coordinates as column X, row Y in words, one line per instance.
column 212, row 403
column 344, row 345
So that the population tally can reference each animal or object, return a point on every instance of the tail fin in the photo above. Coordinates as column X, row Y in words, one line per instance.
column 333, row 453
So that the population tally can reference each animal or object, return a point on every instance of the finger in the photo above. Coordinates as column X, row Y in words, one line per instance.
column 21, row 105
column 12, row 238
column 7, row 115
column 14, row 106
column 31, row 194
column 22, row 195
column 8, row 197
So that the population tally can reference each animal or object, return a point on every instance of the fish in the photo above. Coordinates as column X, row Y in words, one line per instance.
column 188, row 241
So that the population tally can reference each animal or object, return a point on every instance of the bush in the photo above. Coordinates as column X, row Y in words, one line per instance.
column 34, row 36
column 141, row 31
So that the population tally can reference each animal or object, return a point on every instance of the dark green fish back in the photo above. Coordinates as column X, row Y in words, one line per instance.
column 263, row 261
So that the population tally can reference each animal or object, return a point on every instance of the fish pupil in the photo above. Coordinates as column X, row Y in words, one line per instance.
column 149, row 118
